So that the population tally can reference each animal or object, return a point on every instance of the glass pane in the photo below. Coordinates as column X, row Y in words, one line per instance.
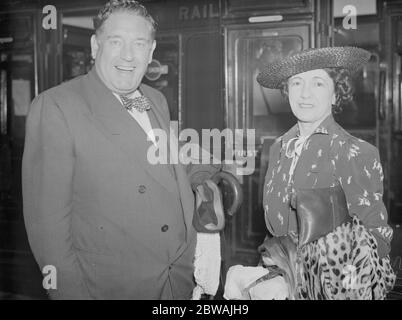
column 269, row 111
column 360, row 113
column 17, row 89
column 163, row 72
column 77, row 31
column 19, row 271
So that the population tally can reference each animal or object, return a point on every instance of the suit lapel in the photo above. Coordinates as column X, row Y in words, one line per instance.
column 156, row 124
column 120, row 128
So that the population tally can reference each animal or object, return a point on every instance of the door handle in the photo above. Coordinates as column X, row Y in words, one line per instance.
column 381, row 95
column 235, row 186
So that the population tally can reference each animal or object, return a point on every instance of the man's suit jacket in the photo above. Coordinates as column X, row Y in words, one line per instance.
column 112, row 224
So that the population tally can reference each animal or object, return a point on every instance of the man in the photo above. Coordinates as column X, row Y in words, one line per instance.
column 112, row 224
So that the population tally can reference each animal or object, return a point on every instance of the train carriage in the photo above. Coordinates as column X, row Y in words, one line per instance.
column 207, row 58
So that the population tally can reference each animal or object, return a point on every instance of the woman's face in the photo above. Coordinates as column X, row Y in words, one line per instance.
column 311, row 95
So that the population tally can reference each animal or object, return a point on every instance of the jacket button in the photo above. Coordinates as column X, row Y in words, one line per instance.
column 165, row 228
column 142, row 189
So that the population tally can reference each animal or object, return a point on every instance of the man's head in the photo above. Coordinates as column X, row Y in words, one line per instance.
column 123, row 44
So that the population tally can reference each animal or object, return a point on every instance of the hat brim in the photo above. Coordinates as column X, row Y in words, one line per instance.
column 350, row 58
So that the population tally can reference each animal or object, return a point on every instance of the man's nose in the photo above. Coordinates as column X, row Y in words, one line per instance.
column 306, row 90
column 126, row 52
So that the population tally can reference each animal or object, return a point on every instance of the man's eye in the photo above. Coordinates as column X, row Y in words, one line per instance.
column 319, row 84
column 139, row 44
column 115, row 42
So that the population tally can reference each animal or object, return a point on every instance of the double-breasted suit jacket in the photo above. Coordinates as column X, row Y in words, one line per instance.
column 112, row 224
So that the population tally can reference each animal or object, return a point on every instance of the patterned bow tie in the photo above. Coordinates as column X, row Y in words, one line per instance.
column 140, row 103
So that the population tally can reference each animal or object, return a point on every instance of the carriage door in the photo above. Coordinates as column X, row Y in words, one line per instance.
column 18, row 86
column 390, row 107
column 252, row 107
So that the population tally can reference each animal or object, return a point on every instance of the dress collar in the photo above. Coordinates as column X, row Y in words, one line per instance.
column 326, row 127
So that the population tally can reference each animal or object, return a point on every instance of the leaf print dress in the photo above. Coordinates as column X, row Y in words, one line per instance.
column 352, row 261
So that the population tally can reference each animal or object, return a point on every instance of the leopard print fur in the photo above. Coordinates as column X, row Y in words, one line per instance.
column 344, row 265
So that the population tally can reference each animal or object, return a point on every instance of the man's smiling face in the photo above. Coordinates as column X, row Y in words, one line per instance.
column 122, row 50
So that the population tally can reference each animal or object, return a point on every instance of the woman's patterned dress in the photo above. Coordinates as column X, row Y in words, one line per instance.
column 351, row 262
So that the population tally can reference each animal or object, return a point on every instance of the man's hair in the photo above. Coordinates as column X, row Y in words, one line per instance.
column 130, row 6
column 342, row 85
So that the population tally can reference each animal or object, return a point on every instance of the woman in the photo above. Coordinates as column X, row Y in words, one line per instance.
column 340, row 255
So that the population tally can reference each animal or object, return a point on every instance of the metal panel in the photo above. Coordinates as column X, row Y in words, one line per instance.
column 241, row 8
column 202, row 105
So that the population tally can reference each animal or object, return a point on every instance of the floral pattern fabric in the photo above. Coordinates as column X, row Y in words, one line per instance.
column 328, row 157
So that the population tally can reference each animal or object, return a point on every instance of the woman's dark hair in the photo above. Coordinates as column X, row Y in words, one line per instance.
column 342, row 85
column 131, row 6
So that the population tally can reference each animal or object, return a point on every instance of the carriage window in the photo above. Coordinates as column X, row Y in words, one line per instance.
column 249, row 104
column 359, row 116
column 360, row 113
column 163, row 72
column 77, row 31
column 269, row 110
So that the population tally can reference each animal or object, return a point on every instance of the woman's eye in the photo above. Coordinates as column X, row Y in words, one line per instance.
column 295, row 83
column 319, row 83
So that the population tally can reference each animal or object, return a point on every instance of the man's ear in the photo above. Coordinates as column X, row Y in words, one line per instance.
column 333, row 101
column 94, row 46
column 152, row 51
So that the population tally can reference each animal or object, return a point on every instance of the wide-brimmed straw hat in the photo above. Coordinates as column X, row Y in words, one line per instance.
column 350, row 58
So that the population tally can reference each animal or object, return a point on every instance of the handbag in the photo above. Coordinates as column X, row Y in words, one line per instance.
column 320, row 211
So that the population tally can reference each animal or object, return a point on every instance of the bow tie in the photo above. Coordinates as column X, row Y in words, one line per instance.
column 140, row 103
